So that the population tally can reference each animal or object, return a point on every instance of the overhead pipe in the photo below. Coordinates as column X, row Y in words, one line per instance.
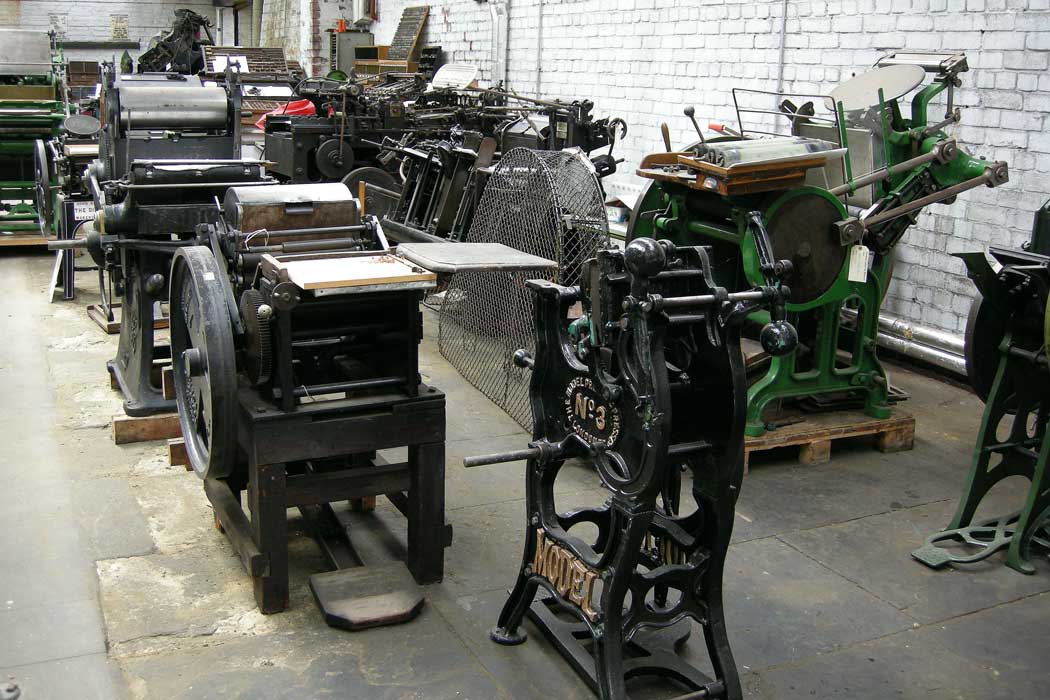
column 499, row 12
column 782, row 50
column 539, row 46
column 257, row 10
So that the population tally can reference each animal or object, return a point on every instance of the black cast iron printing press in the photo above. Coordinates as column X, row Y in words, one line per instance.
column 647, row 386
column 295, row 334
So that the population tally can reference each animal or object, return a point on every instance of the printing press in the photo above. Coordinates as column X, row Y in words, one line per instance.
column 444, row 177
column 169, row 146
column 648, row 387
column 835, row 197
column 294, row 338
column 1008, row 363
column 33, row 105
column 345, row 132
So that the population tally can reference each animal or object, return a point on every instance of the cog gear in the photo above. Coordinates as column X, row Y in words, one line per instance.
column 258, row 356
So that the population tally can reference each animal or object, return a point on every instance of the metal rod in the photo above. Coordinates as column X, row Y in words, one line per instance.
column 988, row 177
column 68, row 244
column 341, row 387
column 685, row 448
column 885, row 173
column 501, row 457
column 705, row 299
column 303, row 231
column 125, row 186
column 305, row 246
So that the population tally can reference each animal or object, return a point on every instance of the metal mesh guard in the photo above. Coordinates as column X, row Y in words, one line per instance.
column 546, row 203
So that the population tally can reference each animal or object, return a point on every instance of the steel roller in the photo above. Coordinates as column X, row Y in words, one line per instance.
column 155, row 107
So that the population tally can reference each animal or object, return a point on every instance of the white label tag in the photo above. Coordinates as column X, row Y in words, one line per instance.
column 83, row 211
column 209, row 276
column 859, row 256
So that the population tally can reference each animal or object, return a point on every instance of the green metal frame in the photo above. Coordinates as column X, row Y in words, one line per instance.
column 681, row 218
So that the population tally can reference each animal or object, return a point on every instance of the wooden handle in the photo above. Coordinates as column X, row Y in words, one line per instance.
column 667, row 137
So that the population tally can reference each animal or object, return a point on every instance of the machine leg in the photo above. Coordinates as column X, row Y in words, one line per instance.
column 426, row 512
column 507, row 630
column 266, row 498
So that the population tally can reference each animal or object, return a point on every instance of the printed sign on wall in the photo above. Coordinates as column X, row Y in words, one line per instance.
column 57, row 24
column 118, row 26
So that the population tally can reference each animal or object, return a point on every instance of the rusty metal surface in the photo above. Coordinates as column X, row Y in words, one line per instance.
column 282, row 207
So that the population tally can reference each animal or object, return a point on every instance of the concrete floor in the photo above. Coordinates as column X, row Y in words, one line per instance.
column 115, row 584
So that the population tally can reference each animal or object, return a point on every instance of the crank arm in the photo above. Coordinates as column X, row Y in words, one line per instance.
column 994, row 174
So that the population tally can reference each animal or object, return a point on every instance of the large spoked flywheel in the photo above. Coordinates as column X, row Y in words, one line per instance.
column 204, row 362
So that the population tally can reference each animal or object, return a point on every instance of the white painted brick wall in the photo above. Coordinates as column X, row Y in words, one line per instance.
column 88, row 20
column 645, row 60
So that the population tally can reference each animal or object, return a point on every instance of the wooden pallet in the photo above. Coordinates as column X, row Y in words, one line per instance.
column 97, row 314
column 20, row 240
column 815, row 432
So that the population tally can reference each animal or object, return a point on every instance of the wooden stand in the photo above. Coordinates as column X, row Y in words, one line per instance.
column 282, row 451
column 814, row 433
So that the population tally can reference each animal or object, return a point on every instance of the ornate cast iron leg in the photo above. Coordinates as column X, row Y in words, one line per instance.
column 507, row 630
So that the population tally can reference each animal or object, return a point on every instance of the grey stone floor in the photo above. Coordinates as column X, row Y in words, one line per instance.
column 114, row 583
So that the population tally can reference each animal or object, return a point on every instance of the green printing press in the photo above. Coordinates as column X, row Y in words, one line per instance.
column 32, row 108
column 1008, row 360
column 834, row 197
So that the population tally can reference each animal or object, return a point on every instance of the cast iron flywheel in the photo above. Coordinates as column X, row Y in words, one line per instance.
column 204, row 362
column 802, row 230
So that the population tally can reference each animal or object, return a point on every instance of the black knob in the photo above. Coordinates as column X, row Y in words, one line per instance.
column 778, row 338
column 644, row 257
column 155, row 284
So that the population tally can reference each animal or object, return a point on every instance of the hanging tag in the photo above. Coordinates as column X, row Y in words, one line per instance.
column 859, row 257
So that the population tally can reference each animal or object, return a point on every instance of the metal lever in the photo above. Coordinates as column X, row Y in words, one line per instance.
column 502, row 457
column 778, row 337
column 691, row 113
column 68, row 244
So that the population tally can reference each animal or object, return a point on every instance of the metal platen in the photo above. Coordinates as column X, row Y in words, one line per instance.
column 862, row 91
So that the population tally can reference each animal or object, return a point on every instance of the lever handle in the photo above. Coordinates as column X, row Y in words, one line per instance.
column 690, row 112
column 666, row 133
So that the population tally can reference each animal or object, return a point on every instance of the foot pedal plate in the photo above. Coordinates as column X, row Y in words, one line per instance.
column 367, row 596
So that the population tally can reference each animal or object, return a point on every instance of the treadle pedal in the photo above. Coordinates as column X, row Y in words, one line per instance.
column 932, row 556
column 367, row 596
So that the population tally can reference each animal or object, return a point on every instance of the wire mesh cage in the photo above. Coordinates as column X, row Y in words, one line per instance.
column 546, row 203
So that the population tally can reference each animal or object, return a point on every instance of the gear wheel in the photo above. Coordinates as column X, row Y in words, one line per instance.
column 258, row 357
